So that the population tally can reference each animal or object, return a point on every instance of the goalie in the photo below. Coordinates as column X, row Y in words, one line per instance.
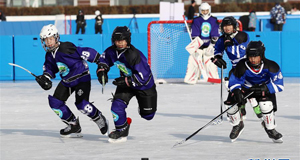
column 204, row 31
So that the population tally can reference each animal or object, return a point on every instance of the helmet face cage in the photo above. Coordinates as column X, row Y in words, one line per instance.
column 228, row 21
column 49, row 31
column 121, row 33
column 205, row 6
column 255, row 48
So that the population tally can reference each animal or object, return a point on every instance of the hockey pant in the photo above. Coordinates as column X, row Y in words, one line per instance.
column 147, row 101
column 195, row 67
column 62, row 93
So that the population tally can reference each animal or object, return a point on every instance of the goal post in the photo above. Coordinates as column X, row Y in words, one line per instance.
column 167, row 55
column 63, row 24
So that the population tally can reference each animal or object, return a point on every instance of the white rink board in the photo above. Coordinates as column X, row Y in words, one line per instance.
column 30, row 129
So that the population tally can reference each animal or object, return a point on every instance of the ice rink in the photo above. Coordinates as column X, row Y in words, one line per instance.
column 30, row 129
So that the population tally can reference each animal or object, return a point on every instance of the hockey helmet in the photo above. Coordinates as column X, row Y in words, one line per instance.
column 205, row 6
column 228, row 21
column 49, row 31
column 97, row 12
column 121, row 33
column 255, row 48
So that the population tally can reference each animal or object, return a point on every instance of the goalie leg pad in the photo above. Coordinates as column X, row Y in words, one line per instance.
column 118, row 111
column 268, row 114
column 194, row 45
column 234, row 115
column 211, row 68
column 62, row 110
column 192, row 71
column 88, row 109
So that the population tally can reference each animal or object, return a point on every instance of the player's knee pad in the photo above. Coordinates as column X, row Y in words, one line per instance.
column 118, row 111
column 87, row 108
column 60, row 108
column 234, row 115
column 266, row 108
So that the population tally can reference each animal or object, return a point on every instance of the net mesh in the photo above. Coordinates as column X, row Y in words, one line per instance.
column 166, row 50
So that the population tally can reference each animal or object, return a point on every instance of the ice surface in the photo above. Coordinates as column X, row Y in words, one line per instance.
column 30, row 129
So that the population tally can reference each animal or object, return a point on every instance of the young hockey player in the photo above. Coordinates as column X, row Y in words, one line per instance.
column 206, row 27
column 70, row 62
column 261, row 77
column 136, row 80
column 234, row 42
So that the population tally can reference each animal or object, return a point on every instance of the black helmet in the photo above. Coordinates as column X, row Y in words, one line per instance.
column 255, row 48
column 228, row 21
column 121, row 33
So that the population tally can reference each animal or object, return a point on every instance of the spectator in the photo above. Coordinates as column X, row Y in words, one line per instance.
column 99, row 22
column 191, row 11
column 252, row 21
column 2, row 16
column 279, row 15
column 294, row 10
column 81, row 23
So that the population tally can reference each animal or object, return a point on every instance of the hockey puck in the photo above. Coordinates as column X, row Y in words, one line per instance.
column 160, row 82
column 145, row 158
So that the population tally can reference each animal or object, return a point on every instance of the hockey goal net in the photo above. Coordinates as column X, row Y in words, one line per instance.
column 166, row 50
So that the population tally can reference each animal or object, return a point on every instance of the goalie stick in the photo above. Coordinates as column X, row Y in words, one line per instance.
column 201, row 65
column 181, row 142
column 12, row 64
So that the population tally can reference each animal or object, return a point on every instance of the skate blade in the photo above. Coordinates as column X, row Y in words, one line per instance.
column 119, row 140
column 233, row 140
column 72, row 135
column 277, row 140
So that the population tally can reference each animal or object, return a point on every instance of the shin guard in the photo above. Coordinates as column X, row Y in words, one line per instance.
column 88, row 109
column 119, row 114
column 63, row 111
column 234, row 115
column 268, row 114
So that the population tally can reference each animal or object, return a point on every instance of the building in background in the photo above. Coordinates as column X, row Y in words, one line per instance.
column 39, row 3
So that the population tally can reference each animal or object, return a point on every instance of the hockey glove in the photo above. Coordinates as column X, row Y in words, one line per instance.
column 260, row 90
column 218, row 61
column 123, row 82
column 44, row 81
column 228, row 41
column 238, row 96
column 102, row 71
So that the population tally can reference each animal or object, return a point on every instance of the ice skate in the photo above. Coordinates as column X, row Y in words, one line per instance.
column 273, row 134
column 73, row 130
column 236, row 131
column 102, row 123
column 119, row 136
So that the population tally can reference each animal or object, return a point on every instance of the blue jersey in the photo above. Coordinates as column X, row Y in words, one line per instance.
column 237, row 51
column 245, row 76
column 70, row 62
column 205, row 29
column 132, row 63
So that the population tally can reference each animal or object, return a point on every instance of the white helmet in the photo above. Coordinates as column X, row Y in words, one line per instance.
column 49, row 31
column 97, row 12
column 205, row 6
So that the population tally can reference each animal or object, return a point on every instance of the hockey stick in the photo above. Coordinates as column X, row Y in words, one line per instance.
column 103, row 81
column 181, row 142
column 221, row 101
column 221, row 97
column 12, row 64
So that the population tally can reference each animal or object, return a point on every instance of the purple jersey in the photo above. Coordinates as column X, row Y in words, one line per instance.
column 132, row 63
column 70, row 62
column 205, row 29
